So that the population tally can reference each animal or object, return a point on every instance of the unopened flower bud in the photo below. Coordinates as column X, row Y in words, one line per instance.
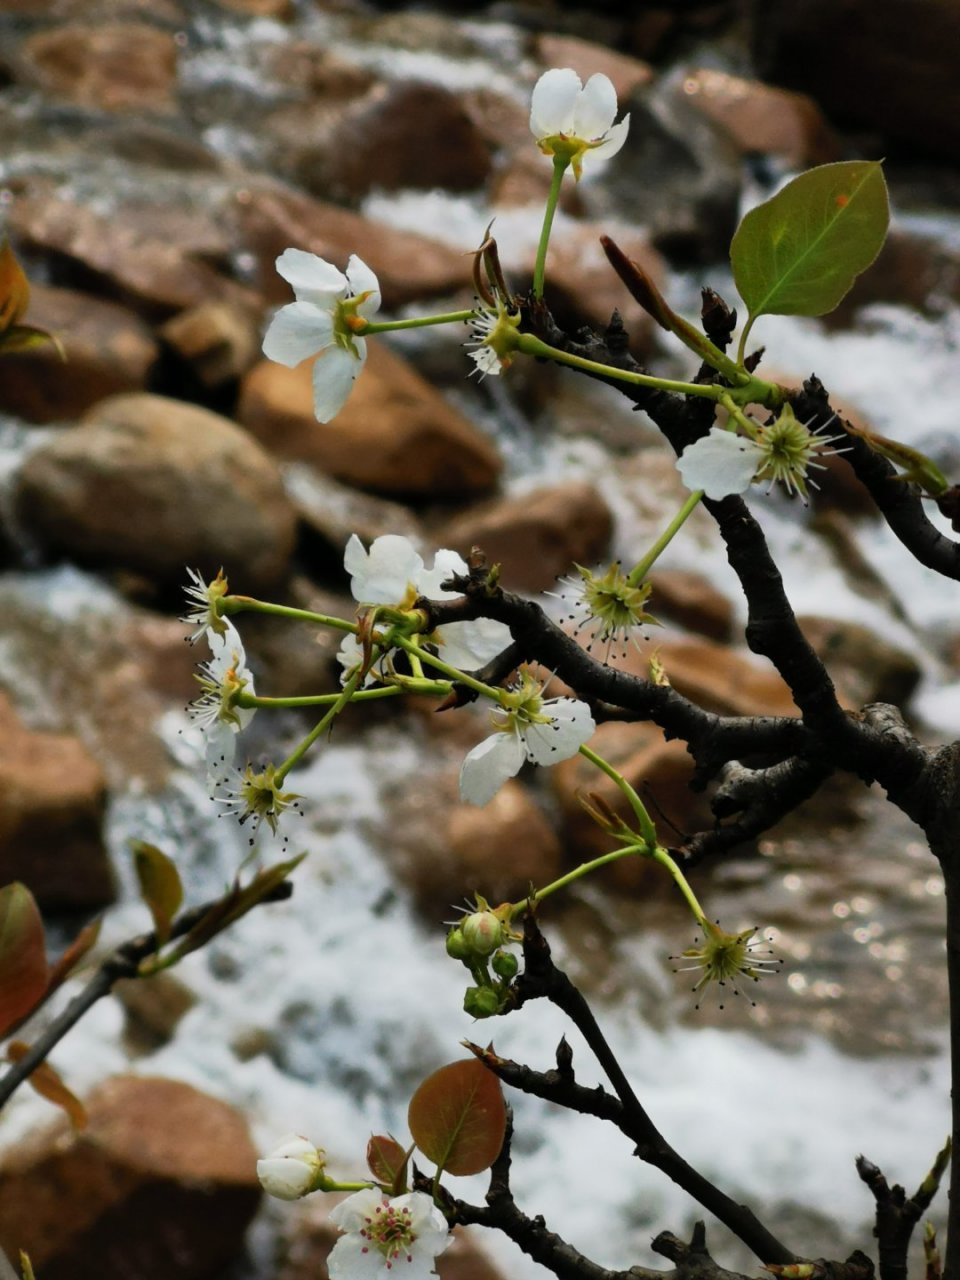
column 457, row 947
column 291, row 1170
column 481, row 1002
column 505, row 964
column 482, row 932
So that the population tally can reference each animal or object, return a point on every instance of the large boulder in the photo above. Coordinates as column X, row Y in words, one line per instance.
column 114, row 66
column 151, row 484
column 162, row 1182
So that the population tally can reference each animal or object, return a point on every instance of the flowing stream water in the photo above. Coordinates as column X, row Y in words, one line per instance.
column 320, row 1015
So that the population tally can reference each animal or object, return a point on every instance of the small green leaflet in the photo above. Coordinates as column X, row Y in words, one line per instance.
column 798, row 253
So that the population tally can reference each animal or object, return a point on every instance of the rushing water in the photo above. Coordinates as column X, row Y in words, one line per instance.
column 321, row 1014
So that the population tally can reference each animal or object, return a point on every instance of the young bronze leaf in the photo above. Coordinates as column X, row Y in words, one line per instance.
column 49, row 1085
column 14, row 288
column 387, row 1161
column 78, row 948
column 458, row 1118
column 23, row 956
column 160, row 885
column 798, row 253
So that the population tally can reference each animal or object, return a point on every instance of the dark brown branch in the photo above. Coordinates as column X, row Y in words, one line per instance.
column 898, row 1214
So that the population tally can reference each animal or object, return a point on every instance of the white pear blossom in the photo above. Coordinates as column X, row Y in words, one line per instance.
column 720, row 463
column 569, row 119
column 330, row 312
column 202, row 600
column 387, row 1237
column 222, row 679
column 393, row 572
column 527, row 728
column 290, row 1171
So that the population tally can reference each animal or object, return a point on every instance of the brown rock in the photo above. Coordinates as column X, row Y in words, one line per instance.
column 762, row 118
column 395, row 434
column 536, row 536
column 162, row 1182
column 52, row 801
column 692, row 601
column 913, row 270
column 659, row 771
column 587, row 59
column 116, row 66
column 153, row 276
column 498, row 850
column 400, row 134
column 218, row 340
column 316, row 71
column 717, row 678
column 408, row 266
column 151, row 484
column 280, row 9
column 864, row 665
column 153, row 1008
column 108, row 349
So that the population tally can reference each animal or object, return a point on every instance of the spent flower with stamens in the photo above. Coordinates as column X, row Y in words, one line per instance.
column 255, row 796
column 495, row 335
column 203, row 599
column 727, row 959
column 222, row 680
column 331, row 311
column 385, row 1237
column 571, row 120
column 527, row 727
column 608, row 607
column 724, row 463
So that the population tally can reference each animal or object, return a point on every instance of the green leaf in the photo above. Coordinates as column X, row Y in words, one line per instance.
column 800, row 252
column 160, row 885
column 458, row 1118
column 23, row 958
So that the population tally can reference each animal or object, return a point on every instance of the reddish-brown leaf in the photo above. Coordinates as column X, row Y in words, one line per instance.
column 70, row 958
column 387, row 1161
column 14, row 288
column 458, row 1118
column 49, row 1085
column 23, row 955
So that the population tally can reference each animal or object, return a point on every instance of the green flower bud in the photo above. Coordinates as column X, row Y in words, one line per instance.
column 482, row 932
column 456, row 945
column 505, row 964
column 481, row 1002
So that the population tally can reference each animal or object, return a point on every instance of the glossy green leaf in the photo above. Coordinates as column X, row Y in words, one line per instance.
column 160, row 885
column 800, row 252
column 458, row 1118
column 24, row 971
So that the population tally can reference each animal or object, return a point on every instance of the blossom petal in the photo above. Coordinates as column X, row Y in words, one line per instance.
column 298, row 330
column 351, row 1214
column 720, row 464
column 445, row 564
column 471, row 645
column 488, row 766
column 595, row 108
column 333, row 377
column 313, row 279
column 382, row 574
column 553, row 102
column 352, row 1259
column 570, row 726
column 616, row 137
column 363, row 280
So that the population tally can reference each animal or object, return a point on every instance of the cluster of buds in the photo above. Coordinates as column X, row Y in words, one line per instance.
column 479, row 942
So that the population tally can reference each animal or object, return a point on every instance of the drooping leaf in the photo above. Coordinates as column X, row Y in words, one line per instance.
column 14, row 287
column 49, row 1085
column 387, row 1161
column 78, row 948
column 160, row 885
column 23, row 956
column 798, row 253
column 458, row 1118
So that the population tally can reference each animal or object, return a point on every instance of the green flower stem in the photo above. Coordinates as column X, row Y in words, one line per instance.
column 330, row 1184
column 418, row 322
column 741, row 349
column 532, row 346
column 660, row 855
column 247, row 604
column 559, row 168
column 450, row 672
column 345, row 696
column 647, row 830
column 517, row 908
column 643, row 567
column 316, row 700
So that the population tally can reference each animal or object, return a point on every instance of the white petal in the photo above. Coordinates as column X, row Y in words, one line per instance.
column 350, row 656
column 352, row 1213
column 553, row 102
column 220, row 750
column 595, row 108
column 616, row 137
column 720, row 464
column 298, row 331
column 571, row 725
column 425, row 1217
column 489, row 765
column 363, row 280
column 471, row 645
column 487, row 360
column 445, row 564
column 352, row 1259
column 382, row 574
column 313, row 279
column 334, row 374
